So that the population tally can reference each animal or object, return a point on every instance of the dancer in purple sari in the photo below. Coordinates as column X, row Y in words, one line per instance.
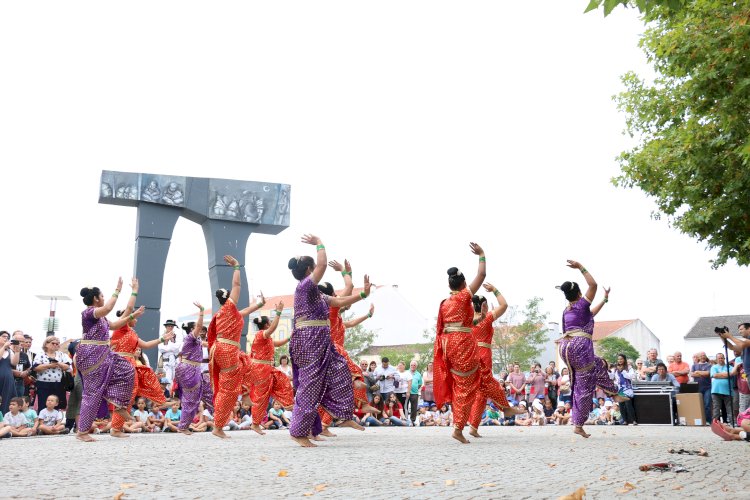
column 195, row 388
column 322, row 375
column 108, row 375
column 587, row 371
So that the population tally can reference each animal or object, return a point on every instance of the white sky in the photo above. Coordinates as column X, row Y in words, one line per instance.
column 406, row 129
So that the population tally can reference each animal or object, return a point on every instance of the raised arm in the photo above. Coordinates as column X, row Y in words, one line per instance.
column 130, row 306
column 100, row 312
column 275, row 322
column 595, row 310
column 481, row 271
column 346, row 272
column 356, row 321
column 123, row 320
column 254, row 307
column 351, row 299
column 590, row 281
column 321, row 259
column 236, row 279
column 502, row 304
column 199, row 323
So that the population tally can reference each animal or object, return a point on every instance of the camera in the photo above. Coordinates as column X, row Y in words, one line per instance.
column 382, row 377
column 721, row 329
column 15, row 342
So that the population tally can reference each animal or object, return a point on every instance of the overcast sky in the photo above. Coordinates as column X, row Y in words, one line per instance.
column 406, row 130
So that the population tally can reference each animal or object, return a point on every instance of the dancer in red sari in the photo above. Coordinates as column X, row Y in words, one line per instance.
column 456, row 362
column 227, row 364
column 125, row 341
column 338, row 331
column 263, row 379
column 489, row 387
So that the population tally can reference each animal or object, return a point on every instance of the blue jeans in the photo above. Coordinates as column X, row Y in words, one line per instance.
column 19, row 387
column 707, row 403
column 398, row 422
column 371, row 422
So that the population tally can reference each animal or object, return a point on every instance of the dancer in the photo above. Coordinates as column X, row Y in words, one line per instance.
column 587, row 371
column 322, row 374
column 263, row 379
column 227, row 364
column 338, row 332
column 194, row 386
column 124, row 342
column 489, row 387
column 106, row 375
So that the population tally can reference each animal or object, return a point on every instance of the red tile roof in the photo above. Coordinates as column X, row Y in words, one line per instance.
column 604, row 329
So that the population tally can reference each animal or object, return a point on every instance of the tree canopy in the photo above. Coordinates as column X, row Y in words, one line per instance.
column 609, row 347
column 644, row 6
column 521, row 343
column 692, row 123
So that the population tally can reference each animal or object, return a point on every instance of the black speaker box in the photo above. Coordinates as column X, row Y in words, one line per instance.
column 653, row 409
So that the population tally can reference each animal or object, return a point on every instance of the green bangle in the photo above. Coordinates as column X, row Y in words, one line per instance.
column 583, row 270
column 320, row 247
column 134, row 294
column 161, row 340
column 606, row 299
column 362, row 295
column 131, row 317
column 344, row 273
column 482, row 259
column 278, row 313
column 496, row 292
column 237, row 267
column 116, row 294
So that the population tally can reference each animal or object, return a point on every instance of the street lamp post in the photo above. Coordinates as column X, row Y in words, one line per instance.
column 52, row 323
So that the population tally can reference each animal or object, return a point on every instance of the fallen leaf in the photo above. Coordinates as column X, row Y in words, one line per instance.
column 417, row 483
column 263, row 458
column 552, row 465
column 308, row 494
column 603, row 478
column 725, row 489
column 702, row 453
column 320, row 487
column 283, row 473
column 403, row 472
column 678, row 487
column 488, row 485
column 125, row 486
column 119, row 495
column 450, row 482
column 576, row 495
column 627, row 487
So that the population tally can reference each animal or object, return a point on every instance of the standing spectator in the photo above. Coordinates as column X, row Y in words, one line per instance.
column 369, row 378
column 551, row 382
column 9, row 355
column 517, row 382
column 565, row 391
column 742, row 386
column 415, row 384
column 537, row 382
column 49, row 366
column 639, row 375
column 670, row 359
column 701, row 373
column 720, row 389
column 394, row 411
column 284, row 366
column 428, row 394
column 649, row 366
column 742, row 344
column 679, row 368
column 17, row 420
column 50, row 420
column 22, row 369
column 624, row 376
column 554, row 368
column 385, row 376
column 172, row 418
column 402, row 384
column 169, row 350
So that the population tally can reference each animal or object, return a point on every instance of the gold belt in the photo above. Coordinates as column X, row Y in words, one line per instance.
column 190, row 362
column 94, row 342
column 576, row 333
column 484, row 344
column 464, row 374
column 126, row 354
column 456, row 329
column 312, row 322
column 228, row 341
column 261, row 361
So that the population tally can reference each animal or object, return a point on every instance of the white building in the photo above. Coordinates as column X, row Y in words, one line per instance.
column 701, row 337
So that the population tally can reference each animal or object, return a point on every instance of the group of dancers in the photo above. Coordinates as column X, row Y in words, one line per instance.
column 327, row 383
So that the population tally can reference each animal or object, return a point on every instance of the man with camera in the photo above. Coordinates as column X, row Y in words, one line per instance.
column 22, row 370
column 739, row 344
column 385, row 375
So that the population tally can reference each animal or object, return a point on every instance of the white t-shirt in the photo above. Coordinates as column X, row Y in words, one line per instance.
column 142, row 415
column 404, row 382
column 50, row 418
column 51, row 374
column 207, row 414
column 19, row 419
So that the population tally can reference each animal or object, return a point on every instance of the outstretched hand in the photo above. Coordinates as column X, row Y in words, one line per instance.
column 139, row 312
column 134, row 284
column 310, row 239
column 336, row 266
column 490, row 287
column 198, row 305
column 476, row 249
column 368, row 285
column 347, row 266
column 574, row 264
column 606, row 292
column 119, row 284
column 372, row 309
column 231, row 260
column 280, row 305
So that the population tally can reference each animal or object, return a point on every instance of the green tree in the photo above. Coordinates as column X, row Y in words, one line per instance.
column 609, row 347
column 691, row 123
column 644, row 6
column 357, row 338
column 521, row 343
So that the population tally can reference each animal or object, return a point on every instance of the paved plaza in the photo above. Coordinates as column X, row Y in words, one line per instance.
column 509, row 462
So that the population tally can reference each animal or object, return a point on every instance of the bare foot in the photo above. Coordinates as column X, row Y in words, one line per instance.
column 258, row 429
column 246, row 400
column 351, row 423
column 187, row 432
column 474, row 432
column 327, row 433
column 370, row 409
column 84, row 436
column 315, row 438
column 620, row 399
column 304, row 442
column 458, row 434
column 580, row 432
column 117, row 434
column 219, row 433
column 123, row 412
column 513, row 410
column 358, row 384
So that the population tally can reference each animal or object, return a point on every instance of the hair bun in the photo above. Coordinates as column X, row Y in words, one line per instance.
column 256, row 321
column 118, row 313
column 567, row 286
column 453, row 271
column 292, row 263
column 85, row 291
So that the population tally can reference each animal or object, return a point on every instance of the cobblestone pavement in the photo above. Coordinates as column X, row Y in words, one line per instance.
column 508, row 462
